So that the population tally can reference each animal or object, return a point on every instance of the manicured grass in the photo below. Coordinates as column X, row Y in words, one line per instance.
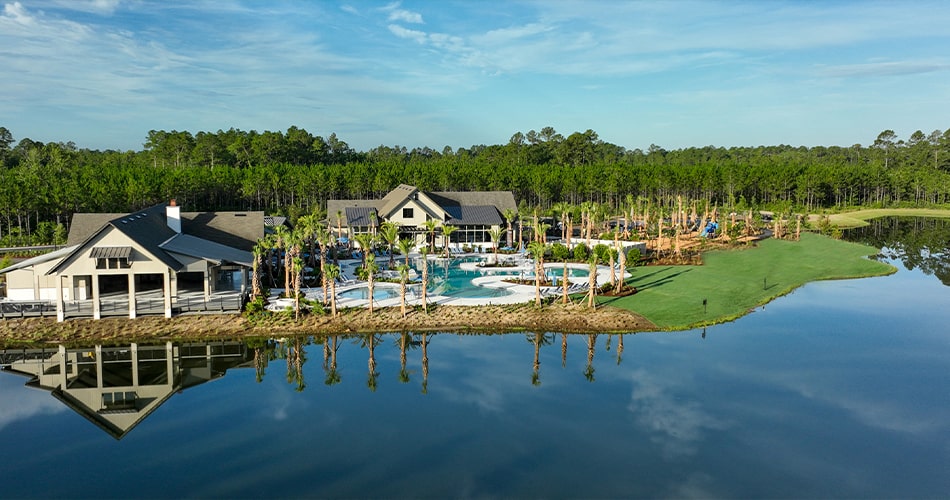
column 734, row 281
column 859, row 218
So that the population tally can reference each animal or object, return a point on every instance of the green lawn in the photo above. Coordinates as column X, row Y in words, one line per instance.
column 734, row 281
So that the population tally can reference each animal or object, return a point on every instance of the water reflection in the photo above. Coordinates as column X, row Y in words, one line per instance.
column 117, row 387
column 917, row 242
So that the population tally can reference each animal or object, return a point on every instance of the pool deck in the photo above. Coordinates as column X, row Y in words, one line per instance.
column 517, row 294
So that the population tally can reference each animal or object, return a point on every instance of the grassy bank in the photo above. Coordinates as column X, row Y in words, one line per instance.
column 494, row 318
column 734, row 281
column 860, row 218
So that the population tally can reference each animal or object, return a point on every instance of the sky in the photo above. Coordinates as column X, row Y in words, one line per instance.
column 102, row 73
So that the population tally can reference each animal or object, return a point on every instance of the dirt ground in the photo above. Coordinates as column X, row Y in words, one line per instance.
column 551, row 318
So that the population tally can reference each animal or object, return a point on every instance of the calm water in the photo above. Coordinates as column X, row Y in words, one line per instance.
column 841, row 389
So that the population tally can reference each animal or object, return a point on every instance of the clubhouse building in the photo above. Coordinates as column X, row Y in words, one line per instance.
column 473, row 213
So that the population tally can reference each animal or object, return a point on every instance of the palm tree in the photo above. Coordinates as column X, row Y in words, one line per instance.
column 298, row 281
column 261, row 248
column 536, row 249
column 622, row 255
column 390, row 234
column 425, row 278
column 431, row 225
column 565, row 284
column 509, row 215
column 365, row 241
column 446, row 233
column 592, row 280
column 332, row 272
column 403, row 278
column 369, row 270
column 405, row 246
column 325, row 238
column 495, row 234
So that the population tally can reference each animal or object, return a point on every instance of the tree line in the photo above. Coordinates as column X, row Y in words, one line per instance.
column 295, row 172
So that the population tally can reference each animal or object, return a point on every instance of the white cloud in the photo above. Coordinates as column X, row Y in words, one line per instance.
column 417, row 36
column 405, row 16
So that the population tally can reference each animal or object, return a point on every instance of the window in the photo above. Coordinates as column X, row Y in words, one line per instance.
column 113, row 263
column 407, row 213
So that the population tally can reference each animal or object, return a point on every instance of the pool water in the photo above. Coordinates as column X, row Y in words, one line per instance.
column 362, row 293
column 449, row 279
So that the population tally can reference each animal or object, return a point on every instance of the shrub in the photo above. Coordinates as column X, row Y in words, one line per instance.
column 581, row 253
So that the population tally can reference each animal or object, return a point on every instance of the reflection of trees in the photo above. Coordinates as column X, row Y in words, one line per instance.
column 332, row 374
column 425, row 364
column 299, row 357
column 591, row 345
column 918, row 242
column 369, row 341
column 264, row 352
column 619, row 349
column 538, row 339
column 563, row 350
column 405, row 341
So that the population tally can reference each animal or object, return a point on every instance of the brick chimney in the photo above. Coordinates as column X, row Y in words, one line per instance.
column 173, row 216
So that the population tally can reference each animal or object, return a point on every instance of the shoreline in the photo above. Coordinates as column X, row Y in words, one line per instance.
column 566, row 318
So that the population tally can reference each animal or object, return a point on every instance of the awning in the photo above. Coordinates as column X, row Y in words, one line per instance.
column 110, row 252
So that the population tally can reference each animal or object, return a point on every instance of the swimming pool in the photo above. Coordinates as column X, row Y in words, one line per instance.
column 362, row 293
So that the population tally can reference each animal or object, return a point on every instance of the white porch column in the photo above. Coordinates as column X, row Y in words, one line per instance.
column 207, row 277
column 60, row 305
column 96, row 307
column 131, row 296
column 167, row 292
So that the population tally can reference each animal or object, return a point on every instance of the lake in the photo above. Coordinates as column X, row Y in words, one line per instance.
column 841, row 389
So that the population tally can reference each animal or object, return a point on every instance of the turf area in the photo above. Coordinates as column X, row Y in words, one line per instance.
column 732, row 282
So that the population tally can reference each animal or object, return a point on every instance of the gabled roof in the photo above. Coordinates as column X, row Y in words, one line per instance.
column 199, row 248
column 148, row 228
column 463, row 207
column 215, row 236
column 395, row 198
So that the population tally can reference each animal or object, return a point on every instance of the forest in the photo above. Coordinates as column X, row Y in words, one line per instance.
column 295, row 172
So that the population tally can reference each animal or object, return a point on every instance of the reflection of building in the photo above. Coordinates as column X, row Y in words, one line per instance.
column 117, row 387
column 473, row 213
column 157, row 261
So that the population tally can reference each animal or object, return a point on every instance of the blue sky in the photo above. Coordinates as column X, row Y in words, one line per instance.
column 102, row 73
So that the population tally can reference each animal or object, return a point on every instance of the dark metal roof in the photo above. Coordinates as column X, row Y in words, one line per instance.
column 240, row 230
column 483, row 215
column 199, row 248
column 360, row 216
column 110, row 252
